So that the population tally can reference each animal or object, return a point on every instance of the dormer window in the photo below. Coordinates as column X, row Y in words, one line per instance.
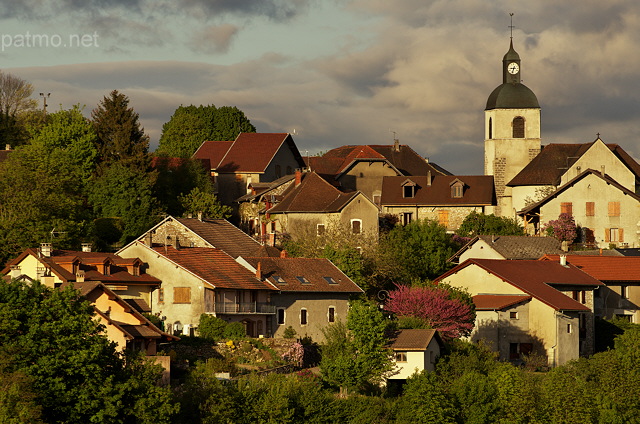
column 457, row 189
column 136, row 270
column 106, row 269
column 408, row 189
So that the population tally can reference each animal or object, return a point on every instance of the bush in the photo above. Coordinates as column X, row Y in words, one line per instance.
column 235, row 330
column 212, row 328
column 289, row 333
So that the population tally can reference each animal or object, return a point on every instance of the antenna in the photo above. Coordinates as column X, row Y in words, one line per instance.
column 394, row 133
column 511, row 26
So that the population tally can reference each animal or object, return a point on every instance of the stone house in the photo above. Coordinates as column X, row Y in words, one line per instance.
column 415, row 350
column 312, row 293
column 529, row 306
column 620, row 295
column 250, row 158
column 447, row 199
column 507, row 247
column 605, row 210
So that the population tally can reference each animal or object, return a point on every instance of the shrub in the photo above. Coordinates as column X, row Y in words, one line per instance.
column 212, row 328
column 289, row 333
column 235, row 330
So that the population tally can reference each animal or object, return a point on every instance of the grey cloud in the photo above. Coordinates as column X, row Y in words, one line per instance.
column 214, row 39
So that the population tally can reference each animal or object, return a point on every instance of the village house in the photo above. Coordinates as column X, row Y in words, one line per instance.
column 447, row 199
column 526, row 306
column 507, row 247
column 414, row 350
column 620, row 295
column 312, row 293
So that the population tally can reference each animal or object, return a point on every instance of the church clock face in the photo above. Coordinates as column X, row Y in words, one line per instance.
column 513, row 68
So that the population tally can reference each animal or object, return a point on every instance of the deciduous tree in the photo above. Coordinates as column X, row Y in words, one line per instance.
column 199, row 202
column 477, row 224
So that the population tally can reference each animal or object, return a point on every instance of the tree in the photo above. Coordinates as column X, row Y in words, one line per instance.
column 354, row 354
column 416, row 252
column 199, row 202
column 426, row 401
column 434, row 305
column 190, row 126
column 177, row 177
column 477, row 224
column 120, row 139
column 563, row 228
column 15, row 104
column 75, row 371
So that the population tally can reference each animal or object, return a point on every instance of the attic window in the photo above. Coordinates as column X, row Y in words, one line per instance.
column 278, row 279
column 136, row 270
column 330, row 280
column 303, row 280
column 408, row 191
column 107, row 269
column 457, row 189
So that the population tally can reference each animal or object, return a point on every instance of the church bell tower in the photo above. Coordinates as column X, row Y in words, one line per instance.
column 512, row 130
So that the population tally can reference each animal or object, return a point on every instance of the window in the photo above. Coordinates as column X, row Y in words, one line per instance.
column 513, row 315
column 280, row 316
column 401, row 356
column 407, row 217
column 303, row 280
column 490, row 128
column 518, row 127
column 614, row 208
column 408, row 191
column 613, row 235
column 356, row 226
column 136, row 270
column 566, row 207
column 443, row 218
column 591, row 209
column 624, row 292
column 160, row 295
column 331, row 315
column 303, row 317
column 182, row 295
column 330, row 280
column 278, row 279
column 273, row 227
column 456, row 191
column 320, row 229
column 569, row 329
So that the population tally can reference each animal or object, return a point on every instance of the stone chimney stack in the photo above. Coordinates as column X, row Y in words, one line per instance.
column 259, row 271
column 200, row 216
column 7, row 147
column 45, row 249
column 284, row 254
column 80, row 276
column 396, row 145
column 429, row 178
column 86, row 247
column 298, row 177
column 563, row 260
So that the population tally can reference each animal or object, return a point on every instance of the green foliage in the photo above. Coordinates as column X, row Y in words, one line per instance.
column 190, row 126
column 211, row 327
column 425, row 401
column 289, row 333
column 198, row 201
column 417, row 251
column 18, row 404
column 412, row 322
column 235, row 331
column 476, row 224
column 120, row 139
column 176, row 179
column 75, row 371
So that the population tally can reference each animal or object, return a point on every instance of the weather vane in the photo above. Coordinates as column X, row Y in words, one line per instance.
column 511, row 26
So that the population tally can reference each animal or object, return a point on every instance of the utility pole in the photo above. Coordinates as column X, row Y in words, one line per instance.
column 44, row 102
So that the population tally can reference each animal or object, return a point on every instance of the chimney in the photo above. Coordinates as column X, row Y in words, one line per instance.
column 45, row 249
column 284, row 254
column 565, row 246
column 259, row 271
column 15, row 271
column 80, row 276
column 200, row 216
column 298, row 177
column 396, row 145
column 563, row 260
column 148, row 239
column 7, row 147
column 86, row 247
column 429, row 178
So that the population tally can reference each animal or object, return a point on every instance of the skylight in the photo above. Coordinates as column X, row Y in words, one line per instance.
column 303, row 280
column 330, row 280
column 278, row 279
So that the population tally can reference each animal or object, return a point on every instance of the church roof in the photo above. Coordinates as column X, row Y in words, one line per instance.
column 512, row 96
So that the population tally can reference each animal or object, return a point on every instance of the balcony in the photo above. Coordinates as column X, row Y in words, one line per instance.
column 242, row 308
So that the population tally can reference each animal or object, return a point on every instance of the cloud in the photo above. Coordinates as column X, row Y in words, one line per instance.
column 214, row 39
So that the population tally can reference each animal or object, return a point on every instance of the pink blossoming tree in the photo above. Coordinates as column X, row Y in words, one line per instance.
column 439, row 307
column 563, row 228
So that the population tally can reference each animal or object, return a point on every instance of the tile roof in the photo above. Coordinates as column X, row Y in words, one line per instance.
column 516, row 247
column 495, row 302
column 553, row 161
column 605, row 268
column 610, row 181
column 535, row 279
column 213, row 151
column 264, row 188
column 314, row 270
column 405, row 159
column 215, row 267
column 223, row 235
column 478, row 190
column 414, row 339
column 313, row 194
column 253, row 152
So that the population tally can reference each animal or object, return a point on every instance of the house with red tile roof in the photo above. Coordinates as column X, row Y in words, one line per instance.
column 204, row 280
column 620, row 297
column 53, row 267
column 310, row 206
column 250, row 158
column 525, row 307
column 445, row 198
column 312, row 293
column 362, row 168
column 415, row 350
column 604, row 209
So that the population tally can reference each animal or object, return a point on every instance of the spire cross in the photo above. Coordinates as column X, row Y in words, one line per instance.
column 511, row 26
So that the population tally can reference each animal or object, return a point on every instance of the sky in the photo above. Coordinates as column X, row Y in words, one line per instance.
column 339, row 72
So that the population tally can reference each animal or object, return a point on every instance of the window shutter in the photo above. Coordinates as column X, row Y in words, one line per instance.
column 566, row 207
column 591, row 209
column 182, row 295
column 620, row 235
column 614, row 208
column 607, row 231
